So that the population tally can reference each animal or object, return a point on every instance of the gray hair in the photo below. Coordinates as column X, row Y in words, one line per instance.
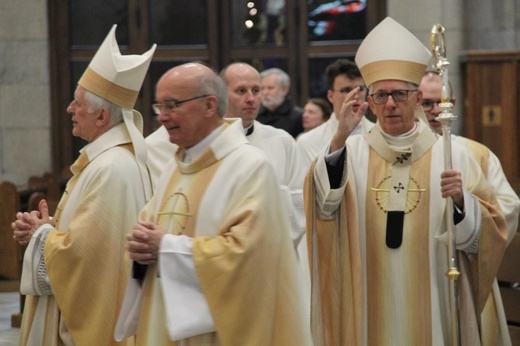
column 283, row 77
column 213, row 84
column 410, row 84
column 96, row 103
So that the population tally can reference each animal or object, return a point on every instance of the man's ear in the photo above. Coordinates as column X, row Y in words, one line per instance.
column 371, row 105
column 419, row 99
column 103, row 117
column 211, row 104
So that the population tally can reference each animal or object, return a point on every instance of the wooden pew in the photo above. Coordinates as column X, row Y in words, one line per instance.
column 10, row 251
column 47, row 184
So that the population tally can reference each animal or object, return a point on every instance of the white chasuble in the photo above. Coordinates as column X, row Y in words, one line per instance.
column 229, row 236
column 280, row 149
column 84, row 249
column 493, row 318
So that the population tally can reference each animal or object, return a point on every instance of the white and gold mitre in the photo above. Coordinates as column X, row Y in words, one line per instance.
column 390, row 51
column 115, row 77
column 118, row 79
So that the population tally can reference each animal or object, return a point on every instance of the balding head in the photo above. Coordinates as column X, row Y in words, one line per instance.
column 199, row 79
column 243, row 85
column 189, row 74
column 193, row 101
column 235, row 69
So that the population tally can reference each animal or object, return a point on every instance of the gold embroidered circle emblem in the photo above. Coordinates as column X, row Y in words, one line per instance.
column 413, row 198
column 175, row 213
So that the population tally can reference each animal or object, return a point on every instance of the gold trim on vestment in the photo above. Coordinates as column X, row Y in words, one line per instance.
column 393, row 69
column 102, row 87
column 413, row 283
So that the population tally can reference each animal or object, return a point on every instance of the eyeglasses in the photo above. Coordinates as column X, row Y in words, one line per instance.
column 427, row 105
column 397, row 95
column 172, row 105
column 346, row 90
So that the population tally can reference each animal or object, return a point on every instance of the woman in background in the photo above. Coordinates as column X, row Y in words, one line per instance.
column 316, row 112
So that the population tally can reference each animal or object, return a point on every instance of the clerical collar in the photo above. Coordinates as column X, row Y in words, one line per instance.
column 192, row 153
column 249, row 130
column 404, row 140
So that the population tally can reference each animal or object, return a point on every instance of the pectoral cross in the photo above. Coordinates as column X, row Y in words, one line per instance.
column 399, row 187
column 402, row 158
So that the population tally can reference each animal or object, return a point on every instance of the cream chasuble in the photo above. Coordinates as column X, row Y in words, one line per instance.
column 280, row 149
column 492, row 169
column 226, row 204
column 76, row 276
column 397, row 296
column 309, row 145
column 494, row 323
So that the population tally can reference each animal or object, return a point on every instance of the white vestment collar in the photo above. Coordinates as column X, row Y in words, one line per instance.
column 190, row 154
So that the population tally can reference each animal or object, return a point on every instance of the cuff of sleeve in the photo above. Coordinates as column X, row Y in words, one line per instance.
column 187, row 311
column 467, row 229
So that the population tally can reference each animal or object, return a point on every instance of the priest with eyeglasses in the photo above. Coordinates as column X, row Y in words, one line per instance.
column 213, row 260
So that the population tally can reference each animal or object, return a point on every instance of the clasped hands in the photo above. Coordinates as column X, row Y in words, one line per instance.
column 27, row 223
column 144, row 241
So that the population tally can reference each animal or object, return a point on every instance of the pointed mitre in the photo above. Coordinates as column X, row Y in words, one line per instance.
column 390, row 51
column 118, row 79
column 115, row 77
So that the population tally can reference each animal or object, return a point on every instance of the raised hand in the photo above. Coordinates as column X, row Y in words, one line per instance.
column 348, row 119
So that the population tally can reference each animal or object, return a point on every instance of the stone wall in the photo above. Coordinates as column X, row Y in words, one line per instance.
column 25, row 141
column 492, row 25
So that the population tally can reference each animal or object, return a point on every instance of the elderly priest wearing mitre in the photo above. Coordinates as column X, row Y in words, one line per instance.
column 376, row 215
column 75, row 270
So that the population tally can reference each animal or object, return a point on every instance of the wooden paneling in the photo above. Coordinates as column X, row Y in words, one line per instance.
column 9, row 249
column 491, row 105
column 511, row 300
column 514, row 331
